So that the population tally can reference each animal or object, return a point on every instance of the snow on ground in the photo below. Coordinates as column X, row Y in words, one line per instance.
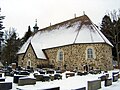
column 67, row 83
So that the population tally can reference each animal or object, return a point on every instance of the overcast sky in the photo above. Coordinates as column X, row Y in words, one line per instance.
column 22, row 13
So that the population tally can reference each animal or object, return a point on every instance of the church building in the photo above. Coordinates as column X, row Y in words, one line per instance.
column 69, row 45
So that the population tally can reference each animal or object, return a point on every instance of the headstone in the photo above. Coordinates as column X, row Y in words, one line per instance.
column 57, row 76
column 115, row 77
column 108, row 82
column 24, row 73
column 70, row 74
column 2, row 79
column 94, row 85
column 16, row 78
column 38, row 77
column 103, row 77
column 46, row 78
column 50, row 71
column 26, row 81
column 5, row 85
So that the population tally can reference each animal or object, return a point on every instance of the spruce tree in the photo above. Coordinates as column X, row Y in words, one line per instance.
column 111, row 29
column 11, row 47
column 1, row 32
column 27, row 35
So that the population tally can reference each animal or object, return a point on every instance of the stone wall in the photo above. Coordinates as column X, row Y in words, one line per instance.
column 31, row 56
column 75, row 57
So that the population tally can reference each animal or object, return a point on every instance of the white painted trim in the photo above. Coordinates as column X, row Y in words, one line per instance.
column 58, row 53
column 94, row 56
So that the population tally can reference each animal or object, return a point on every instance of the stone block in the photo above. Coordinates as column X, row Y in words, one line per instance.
column 57, row 76
column 46, row 78
column 95, row 71
column 114, row 73
column 94, row 85
column 26, row 81
column 2, row 79
column 16, row 78
column 70, row 74
column 50, row 71
column 24, row 73
column 108, row 82
column 59, row 71
column 38, row 77
column 5, row 85
column 103, row 78
column 118, row 75
column 115, row 77
column 82, row 73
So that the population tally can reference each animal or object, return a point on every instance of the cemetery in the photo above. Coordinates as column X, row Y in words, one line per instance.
column 50, row 79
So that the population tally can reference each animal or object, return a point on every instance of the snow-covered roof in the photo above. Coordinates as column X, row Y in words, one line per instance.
column 77, row 30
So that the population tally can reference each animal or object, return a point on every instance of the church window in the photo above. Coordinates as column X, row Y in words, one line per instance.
column 90, row 53
column 29, row 54
column 60, row 55
column 28, row 63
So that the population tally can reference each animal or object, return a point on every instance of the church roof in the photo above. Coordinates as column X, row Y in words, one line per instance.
column 73, row 31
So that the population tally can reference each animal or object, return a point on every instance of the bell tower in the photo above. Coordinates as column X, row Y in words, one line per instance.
column 35, row 27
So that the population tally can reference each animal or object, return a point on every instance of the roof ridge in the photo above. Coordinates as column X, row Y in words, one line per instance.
column 80, row 18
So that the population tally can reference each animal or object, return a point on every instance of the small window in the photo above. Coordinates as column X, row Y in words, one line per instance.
column 60, row 55
column 29, row 54
column 89, row 53
column 28, row 63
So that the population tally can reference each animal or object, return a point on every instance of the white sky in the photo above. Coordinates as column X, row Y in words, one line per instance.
column 22, row 13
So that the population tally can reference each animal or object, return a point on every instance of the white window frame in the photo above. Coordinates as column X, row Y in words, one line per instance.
column 91, row 53
column 60, row 55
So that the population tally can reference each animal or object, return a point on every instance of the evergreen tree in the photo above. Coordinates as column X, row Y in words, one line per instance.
column 27, row 35
column 111, row 29
column 1, row 18
column 1, row 33
column 11, row 47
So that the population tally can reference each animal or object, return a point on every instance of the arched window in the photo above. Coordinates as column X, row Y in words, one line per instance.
column 29, row 63
column 89, row 53
column 60, row 55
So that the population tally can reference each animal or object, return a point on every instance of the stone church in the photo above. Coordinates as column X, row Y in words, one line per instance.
column 72, row 44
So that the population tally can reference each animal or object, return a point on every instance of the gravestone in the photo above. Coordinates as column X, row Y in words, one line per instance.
column 57, row 76
column 2, row 79
column 5, row 85
column 26, row 81
column 38, row 77
column 94, row 85
column 70, row 74
column 16, row 78
column 115, row 77
column 108, row 82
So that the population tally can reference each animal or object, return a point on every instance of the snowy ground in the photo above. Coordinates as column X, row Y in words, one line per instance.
column 68, row 83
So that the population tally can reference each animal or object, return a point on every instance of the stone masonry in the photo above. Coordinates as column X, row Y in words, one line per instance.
column 74, row 57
